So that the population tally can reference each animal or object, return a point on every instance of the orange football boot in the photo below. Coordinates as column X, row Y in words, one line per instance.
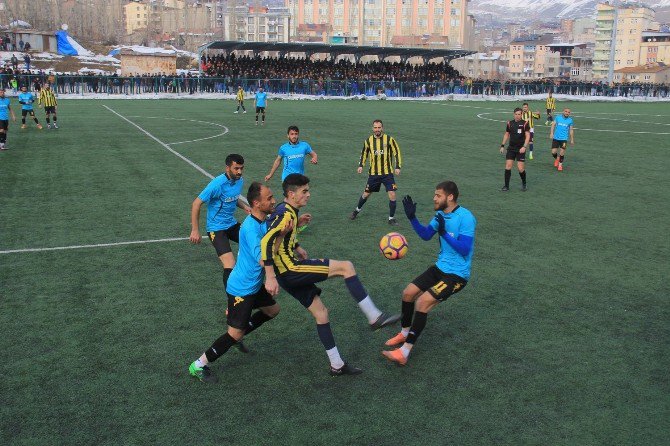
column 395, row 356
column 396, row 340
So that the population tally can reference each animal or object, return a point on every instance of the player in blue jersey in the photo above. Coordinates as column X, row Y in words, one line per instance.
column 561, row 129
column 245, row 286
column 260, row 102
column 293, row 155
column 26, row 99
column 456, row 228
column 5, row 112
column 222, row 196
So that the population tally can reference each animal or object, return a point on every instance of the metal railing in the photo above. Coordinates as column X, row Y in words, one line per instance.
column 182, row 85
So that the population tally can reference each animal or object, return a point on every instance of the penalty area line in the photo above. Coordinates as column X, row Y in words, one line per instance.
column 165, row 146
column 98, row 245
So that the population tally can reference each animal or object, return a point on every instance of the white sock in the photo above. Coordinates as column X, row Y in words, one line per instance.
column 405, row 351
column 199, row 363
column 404, row 331
column 369, row 309
column 358, row 209
column 335, row 359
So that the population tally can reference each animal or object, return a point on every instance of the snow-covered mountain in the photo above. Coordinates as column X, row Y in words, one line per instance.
column 523, row 10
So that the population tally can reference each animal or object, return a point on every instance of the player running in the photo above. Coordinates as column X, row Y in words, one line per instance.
column 561, row 129
column 455, row 226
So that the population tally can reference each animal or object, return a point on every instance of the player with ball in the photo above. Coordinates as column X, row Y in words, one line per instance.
column 455, row 226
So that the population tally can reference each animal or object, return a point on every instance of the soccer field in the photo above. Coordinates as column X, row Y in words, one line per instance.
column 561, row 337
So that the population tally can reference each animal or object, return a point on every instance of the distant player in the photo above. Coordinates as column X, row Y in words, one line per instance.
column 292, row 268
column 293, row 155
column 517, row 133
column 384, row 154
column 48, row 100
column 5, row 112
column 240, row 100
column 561, row 129
column 530, row 118
column 260, row 102
column 222, row 196
column 551, row 106
column 26, row 99
column 455, row 227
column 245, row 289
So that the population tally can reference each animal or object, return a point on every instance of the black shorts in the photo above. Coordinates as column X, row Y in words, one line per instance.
column 240, row 307
column 375, row 183
column 4, row 124
column 24, row 113
column 299, row 282
column 556, row 144
column 515, row 154
column 549, row 111
column 50, row 109
column 260, row 109
column 221, row 239
column 440, row 285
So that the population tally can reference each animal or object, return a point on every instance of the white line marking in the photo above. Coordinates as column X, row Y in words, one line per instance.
column 573, row 113
column 99, row 245
column 189, row 120
column 481, row 116
column 167, row 147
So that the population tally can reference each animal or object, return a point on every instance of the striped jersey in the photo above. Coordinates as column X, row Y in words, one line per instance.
column 284, row 259
column 529, row 117
column 384, row 154
column 551, row 103
column 47, row 98
column 240, row 95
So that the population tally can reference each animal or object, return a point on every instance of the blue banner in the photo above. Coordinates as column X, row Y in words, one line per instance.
column 64, row 46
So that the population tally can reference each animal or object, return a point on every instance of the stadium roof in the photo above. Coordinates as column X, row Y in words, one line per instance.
column 335, row 50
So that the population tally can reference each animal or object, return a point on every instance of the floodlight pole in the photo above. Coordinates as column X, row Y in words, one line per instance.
column 610, row 71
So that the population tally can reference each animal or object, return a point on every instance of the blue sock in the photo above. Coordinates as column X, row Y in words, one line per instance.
column 356, row 288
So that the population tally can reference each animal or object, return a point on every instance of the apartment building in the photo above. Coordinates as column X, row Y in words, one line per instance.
column 632, row 20
column 655, row 47
column 377, row 22
column 256, row 24
column 135, row 16
column 531, row 58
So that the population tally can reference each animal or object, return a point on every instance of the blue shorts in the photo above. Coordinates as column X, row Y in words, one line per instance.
column 300, row 279
column 375, row 182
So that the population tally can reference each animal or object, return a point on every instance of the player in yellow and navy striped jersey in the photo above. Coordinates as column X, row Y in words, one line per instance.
column 551, row 106
column 530, row 117
column 47, row 99
column 385, row 160
column 240, row 100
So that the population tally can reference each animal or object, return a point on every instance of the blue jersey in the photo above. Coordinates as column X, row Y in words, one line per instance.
column 460, row 221
column 562, row 129
column 294, row 157
column 261, row 97
column 248, row 273
column 221, row 196
column 4, row 109
column 26, row 99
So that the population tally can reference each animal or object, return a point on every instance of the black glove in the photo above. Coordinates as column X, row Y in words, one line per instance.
column 410, row 207
column 440, row 224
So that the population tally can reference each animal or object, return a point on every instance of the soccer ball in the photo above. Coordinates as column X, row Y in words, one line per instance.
column 393, row 246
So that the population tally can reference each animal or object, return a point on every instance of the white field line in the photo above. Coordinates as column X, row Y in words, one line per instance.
column 585, row 114
column 226, row 130
column 481, row 116
column 98, row 245
column 165, row 146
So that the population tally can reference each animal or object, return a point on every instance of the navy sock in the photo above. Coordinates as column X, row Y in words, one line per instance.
column 392, row 204
column 256, row 320
column 361, row 202
column 560, row 158
column 407, row 311
column 326, row 335
column 356, row 288
column 523, row 176
column 508, row 175
column 530, row 146
column 555, row 155
column 417, row 327
column 219, row 347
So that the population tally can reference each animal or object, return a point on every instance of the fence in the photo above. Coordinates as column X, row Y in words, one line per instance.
column 183, row 85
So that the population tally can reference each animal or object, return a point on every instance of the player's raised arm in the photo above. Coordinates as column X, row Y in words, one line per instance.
column 425, row 232
column 314, row 157
column 274, row 168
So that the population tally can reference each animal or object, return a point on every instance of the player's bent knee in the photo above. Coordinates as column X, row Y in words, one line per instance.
column 425, row 303
column 235, row 333
column 271, row 311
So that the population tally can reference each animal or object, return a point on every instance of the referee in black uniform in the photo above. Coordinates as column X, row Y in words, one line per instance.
column 518, row 134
